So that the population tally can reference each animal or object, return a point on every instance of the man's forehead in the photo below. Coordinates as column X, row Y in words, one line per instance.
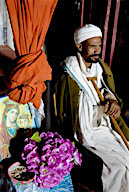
column 93, row 40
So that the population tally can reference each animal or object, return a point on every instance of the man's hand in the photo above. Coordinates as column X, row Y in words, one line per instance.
column 112, row 108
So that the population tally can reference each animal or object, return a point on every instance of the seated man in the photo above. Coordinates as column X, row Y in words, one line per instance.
column 81, row 107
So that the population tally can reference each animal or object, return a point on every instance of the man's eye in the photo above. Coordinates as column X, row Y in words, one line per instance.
column 92, row 46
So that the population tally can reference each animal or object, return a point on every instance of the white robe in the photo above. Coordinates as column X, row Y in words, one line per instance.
column 98, row 135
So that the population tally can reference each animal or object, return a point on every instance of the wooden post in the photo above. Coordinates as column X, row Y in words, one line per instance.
column 106, row 29
column 82, row 12
column 114, row 31
column 90, row 11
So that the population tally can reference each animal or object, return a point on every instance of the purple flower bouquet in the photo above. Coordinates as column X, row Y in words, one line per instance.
column 50, row 157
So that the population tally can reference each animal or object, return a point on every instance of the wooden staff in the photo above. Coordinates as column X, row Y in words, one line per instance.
column 112, row 118
column 55, row 106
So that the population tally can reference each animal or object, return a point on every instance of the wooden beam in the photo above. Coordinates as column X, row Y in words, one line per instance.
column 114, row 31
column 82, row 12
column 106, row 29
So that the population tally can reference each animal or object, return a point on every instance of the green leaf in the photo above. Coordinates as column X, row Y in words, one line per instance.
column 42, row 163
column 73, row 143
column 36, row 137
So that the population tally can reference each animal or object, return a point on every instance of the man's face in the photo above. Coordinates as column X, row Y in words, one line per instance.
column 91, row 49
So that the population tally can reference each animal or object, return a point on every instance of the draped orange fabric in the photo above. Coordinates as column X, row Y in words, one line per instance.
column 30, row 20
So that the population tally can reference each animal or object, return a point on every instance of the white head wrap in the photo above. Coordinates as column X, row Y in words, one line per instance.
column 86, row 32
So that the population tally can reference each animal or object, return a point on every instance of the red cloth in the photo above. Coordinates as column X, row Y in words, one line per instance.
column 30, row 20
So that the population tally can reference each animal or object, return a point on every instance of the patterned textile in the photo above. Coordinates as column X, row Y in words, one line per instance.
column 64, row 186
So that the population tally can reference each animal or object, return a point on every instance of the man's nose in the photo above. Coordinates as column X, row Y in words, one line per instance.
column 97, row 50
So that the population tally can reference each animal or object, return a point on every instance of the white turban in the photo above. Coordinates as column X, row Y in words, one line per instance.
column 86, row 32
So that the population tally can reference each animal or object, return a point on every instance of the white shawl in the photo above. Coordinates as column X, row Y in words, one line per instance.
column 97, row 132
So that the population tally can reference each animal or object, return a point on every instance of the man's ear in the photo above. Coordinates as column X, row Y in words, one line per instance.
column 79, row 46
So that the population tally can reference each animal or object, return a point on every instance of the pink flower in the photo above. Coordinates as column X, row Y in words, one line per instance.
column 58, row 135
column 33, row 167
column 34, row 159
column 23, row 156
column 58, row 140
column 50, row 178
column 70, row 145
column 66, row 147
column 54, row 161
column 49, row 141
column 29, row 147
column 66, row 164
column 55, row 150
column 45, row 156
column 33, row 142
column 77, row 157
column 43, row 170
column 47, row 148
column 37, row 179
column 43, row 135
column 26, row 140
column 32, row 153
column 50, row 159
column 68, row 167
column 49, row 135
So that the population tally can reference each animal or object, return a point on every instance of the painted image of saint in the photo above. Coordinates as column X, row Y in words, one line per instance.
column 8, row 126
column 24, row 121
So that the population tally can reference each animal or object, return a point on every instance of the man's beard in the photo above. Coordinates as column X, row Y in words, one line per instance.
column 90, row 60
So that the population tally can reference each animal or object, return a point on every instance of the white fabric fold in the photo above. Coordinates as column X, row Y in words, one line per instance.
column 37, row 115
column 86, row 32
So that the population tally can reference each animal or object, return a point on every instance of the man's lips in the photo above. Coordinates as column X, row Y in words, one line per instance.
column 95, row 56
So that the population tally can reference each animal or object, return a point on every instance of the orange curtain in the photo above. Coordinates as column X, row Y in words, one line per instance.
column 30, row 20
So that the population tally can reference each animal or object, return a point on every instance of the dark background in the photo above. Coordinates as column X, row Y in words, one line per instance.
column 67, row 17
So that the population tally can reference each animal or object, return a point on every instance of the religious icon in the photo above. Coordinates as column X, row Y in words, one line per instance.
column 9, row 120
column 12, row 117
column 24, row 120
